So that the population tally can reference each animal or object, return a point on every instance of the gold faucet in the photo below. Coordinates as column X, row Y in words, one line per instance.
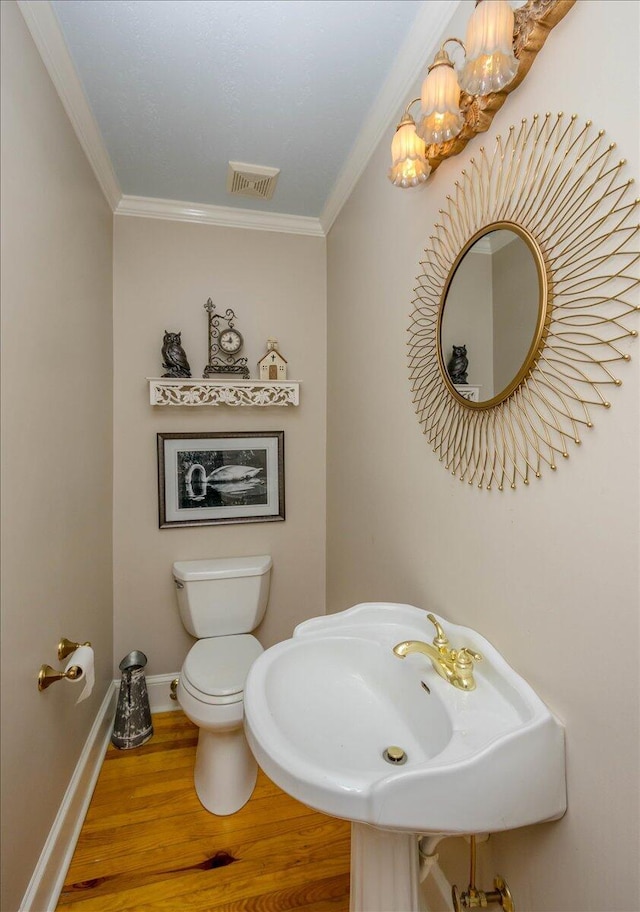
column 454, row 665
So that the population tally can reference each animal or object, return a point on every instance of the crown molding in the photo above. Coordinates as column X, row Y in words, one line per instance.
column 49, row 40
column 422, row 42
column 482, row 245
column 494, row 241
column 224, row 216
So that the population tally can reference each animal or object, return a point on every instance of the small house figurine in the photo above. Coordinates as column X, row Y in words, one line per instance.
column 272, row 366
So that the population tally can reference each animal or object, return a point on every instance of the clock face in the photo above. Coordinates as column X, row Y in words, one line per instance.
column 230, row 341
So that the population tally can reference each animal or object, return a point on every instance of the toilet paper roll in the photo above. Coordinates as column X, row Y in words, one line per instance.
column 83, row 658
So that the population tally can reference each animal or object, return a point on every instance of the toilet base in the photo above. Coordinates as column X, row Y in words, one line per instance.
column 225, row 772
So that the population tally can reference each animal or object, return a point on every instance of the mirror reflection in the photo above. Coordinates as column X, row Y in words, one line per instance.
column 490, row 315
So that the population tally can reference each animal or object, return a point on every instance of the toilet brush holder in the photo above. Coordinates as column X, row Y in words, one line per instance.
column 132, row 725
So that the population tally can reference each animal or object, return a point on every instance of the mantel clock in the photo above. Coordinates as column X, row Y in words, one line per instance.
column 225, row 341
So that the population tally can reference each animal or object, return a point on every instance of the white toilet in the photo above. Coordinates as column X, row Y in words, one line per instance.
column 220, row 602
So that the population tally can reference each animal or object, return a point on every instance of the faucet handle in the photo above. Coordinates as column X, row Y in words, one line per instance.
column 463, row 659
column 465, row 655
column 440, row 640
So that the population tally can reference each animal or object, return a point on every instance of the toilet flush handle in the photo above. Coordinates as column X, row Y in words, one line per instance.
column 179, row 583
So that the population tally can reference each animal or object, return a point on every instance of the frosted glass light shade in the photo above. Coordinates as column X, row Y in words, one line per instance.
column 409, row 165
column 490, row 62
column 441, row 116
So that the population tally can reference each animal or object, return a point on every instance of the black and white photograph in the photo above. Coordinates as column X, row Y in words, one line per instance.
column 233, row 477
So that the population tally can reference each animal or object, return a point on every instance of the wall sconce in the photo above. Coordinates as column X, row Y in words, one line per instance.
column 500, row 46
column 409, row 165
column 441, row 117
column 490, row 63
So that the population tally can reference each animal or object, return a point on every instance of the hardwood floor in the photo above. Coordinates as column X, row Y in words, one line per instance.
column 147, row 844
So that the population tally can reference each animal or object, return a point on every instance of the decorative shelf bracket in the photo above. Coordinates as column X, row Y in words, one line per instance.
column 181, row 391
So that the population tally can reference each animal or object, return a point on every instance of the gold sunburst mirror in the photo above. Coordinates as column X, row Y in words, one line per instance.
column 522, row 304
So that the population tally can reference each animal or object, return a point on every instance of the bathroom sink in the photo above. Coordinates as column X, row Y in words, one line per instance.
column 322, row 708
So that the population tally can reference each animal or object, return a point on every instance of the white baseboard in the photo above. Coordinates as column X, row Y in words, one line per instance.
column 48, row 877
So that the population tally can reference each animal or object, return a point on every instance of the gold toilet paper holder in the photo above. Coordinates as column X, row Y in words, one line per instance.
column 48, row 675
column 66, row 647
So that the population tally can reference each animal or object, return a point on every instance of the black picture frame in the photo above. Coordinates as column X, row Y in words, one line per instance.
column 211, row 478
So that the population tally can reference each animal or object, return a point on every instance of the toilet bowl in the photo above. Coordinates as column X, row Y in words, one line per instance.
column 220, row 601
column 210, row 691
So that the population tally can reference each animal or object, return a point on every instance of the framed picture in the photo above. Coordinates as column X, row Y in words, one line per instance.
column 209, row 478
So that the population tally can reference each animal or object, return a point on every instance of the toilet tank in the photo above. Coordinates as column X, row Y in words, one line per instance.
column 222, row 596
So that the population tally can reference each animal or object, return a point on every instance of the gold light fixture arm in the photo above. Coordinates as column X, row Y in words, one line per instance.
column 406, row 117
column 411, row 103
column 442, row 50
column 442, row 58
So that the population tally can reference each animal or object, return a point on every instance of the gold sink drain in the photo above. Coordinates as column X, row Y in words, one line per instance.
column 394, row 755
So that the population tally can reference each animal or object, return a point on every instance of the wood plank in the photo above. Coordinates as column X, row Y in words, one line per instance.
column 328, row 895
column 177, row 798
column 158, row 855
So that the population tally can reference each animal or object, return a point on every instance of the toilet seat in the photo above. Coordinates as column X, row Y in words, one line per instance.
column 216, row 668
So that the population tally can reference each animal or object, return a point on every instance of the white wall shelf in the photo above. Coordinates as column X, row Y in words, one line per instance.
column 468, row 391
column 189, row 391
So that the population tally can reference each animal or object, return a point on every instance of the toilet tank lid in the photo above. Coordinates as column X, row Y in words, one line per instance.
column 222, row 567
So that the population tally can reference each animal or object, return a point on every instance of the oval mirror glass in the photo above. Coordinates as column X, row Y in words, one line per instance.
column 492, row 315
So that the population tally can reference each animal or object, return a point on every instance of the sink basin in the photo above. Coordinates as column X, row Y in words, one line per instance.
column 322, row 707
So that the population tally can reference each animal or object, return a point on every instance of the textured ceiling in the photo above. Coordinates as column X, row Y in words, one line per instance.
column 179, row 89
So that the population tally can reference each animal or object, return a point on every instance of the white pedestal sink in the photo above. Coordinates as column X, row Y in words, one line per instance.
column 322, row 707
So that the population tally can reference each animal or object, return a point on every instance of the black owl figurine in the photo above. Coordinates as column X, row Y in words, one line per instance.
column 174, row 359
column 458, row 364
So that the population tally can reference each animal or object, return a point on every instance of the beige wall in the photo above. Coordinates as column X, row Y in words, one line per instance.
column 56, row 446
column 548, row 573
column 515, row 309
column 163, row 274
column 468, row 319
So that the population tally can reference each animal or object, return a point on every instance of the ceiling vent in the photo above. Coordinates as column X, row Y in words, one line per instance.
column 251, row 180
